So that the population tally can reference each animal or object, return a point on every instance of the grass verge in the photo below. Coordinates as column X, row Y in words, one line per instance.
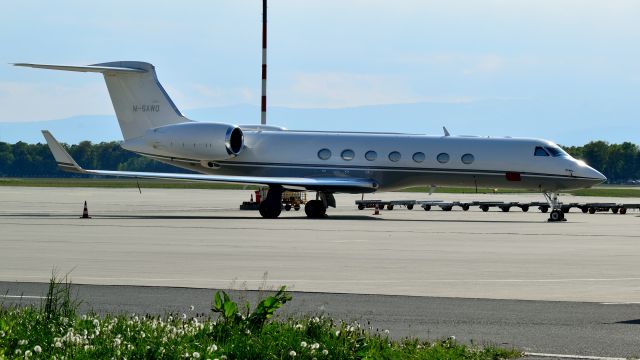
column 56, row 330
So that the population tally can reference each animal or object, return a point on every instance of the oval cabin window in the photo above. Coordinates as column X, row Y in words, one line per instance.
column 324, row 154
column 394, row 156
column 348, row 155
column 418, row 157
column 371, row 155
column 467, row 159
column 443, row 158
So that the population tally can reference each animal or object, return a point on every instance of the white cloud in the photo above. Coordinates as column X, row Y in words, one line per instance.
column 338, row 90
column 196, row 95
column 24, row 101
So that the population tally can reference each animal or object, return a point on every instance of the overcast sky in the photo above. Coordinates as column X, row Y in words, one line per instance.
column 326, row 54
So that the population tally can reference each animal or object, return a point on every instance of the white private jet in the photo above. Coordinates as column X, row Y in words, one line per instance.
column 324, row 162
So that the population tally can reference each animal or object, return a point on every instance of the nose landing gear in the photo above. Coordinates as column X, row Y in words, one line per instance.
column 556, row 213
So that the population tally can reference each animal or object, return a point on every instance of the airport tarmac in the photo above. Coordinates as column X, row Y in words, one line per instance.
column 199, row 238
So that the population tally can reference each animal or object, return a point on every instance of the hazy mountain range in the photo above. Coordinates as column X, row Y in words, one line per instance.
column 561, row 122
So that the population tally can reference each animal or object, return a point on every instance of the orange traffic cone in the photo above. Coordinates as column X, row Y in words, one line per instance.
column 85, row 212
column 376, row 211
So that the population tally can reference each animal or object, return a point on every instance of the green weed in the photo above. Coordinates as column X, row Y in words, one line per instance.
column 55, row 330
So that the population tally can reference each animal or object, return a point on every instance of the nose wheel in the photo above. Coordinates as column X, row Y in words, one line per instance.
column 556, row 213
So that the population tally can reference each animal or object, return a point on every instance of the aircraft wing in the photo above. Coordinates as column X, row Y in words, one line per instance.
column 352, row 185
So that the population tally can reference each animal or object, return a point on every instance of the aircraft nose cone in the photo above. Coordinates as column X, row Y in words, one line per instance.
column 591, row 173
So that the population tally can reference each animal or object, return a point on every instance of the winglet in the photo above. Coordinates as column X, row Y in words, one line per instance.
column 446, row 132
column 63, row 159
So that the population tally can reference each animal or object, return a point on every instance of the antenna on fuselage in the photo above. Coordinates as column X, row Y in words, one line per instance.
column 263, row 103
column 446, row 132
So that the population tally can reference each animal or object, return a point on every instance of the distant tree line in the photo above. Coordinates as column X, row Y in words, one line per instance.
column 619, row 162
column 35, row 160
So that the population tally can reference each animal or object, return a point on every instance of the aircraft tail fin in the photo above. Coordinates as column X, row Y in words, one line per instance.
column 140, row 102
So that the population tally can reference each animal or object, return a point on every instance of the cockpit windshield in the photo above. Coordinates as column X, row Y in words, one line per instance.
column 556, row 151
column 540, row 151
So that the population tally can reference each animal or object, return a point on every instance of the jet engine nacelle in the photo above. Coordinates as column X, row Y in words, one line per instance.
column 194, row 140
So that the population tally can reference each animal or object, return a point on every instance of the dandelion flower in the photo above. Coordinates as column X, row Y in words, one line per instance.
column 1, row 333
column 191, row 307
column 303, row 344
column 325, row 352
column 386, row 331
column 96, row 323
column 37, row 349
column 338, row 333
column 22, row 342
column 58, row 344
column 27, row 354
column 315, row 346
column 212, row 348
column 18, row 352
column 184, row 316
column 292, row 353
column 196, row 355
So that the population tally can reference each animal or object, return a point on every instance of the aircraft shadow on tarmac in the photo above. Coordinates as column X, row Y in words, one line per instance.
column 331, row 217
column 629, row 322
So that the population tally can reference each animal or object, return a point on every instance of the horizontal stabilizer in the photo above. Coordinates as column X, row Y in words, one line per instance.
column 88, row 68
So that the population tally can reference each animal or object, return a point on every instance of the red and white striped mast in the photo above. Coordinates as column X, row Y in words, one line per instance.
column 263, row 106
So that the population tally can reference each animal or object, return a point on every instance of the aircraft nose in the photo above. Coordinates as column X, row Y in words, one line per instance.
column 587, row 171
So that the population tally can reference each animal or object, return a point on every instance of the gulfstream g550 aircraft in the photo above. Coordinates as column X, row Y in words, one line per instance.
column 324, row 162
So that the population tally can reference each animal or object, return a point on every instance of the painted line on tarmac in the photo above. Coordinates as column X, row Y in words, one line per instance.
column 563, row 356
column 354, row 281
column 22, row 297
column 621, row 303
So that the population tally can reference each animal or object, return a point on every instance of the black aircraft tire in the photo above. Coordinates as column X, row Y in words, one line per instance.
column 269, row 212
column 556, row 215
column 315, row 209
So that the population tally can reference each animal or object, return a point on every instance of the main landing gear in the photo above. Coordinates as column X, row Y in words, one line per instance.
column 271, row 207
column 317, row 209
column 556, row 210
